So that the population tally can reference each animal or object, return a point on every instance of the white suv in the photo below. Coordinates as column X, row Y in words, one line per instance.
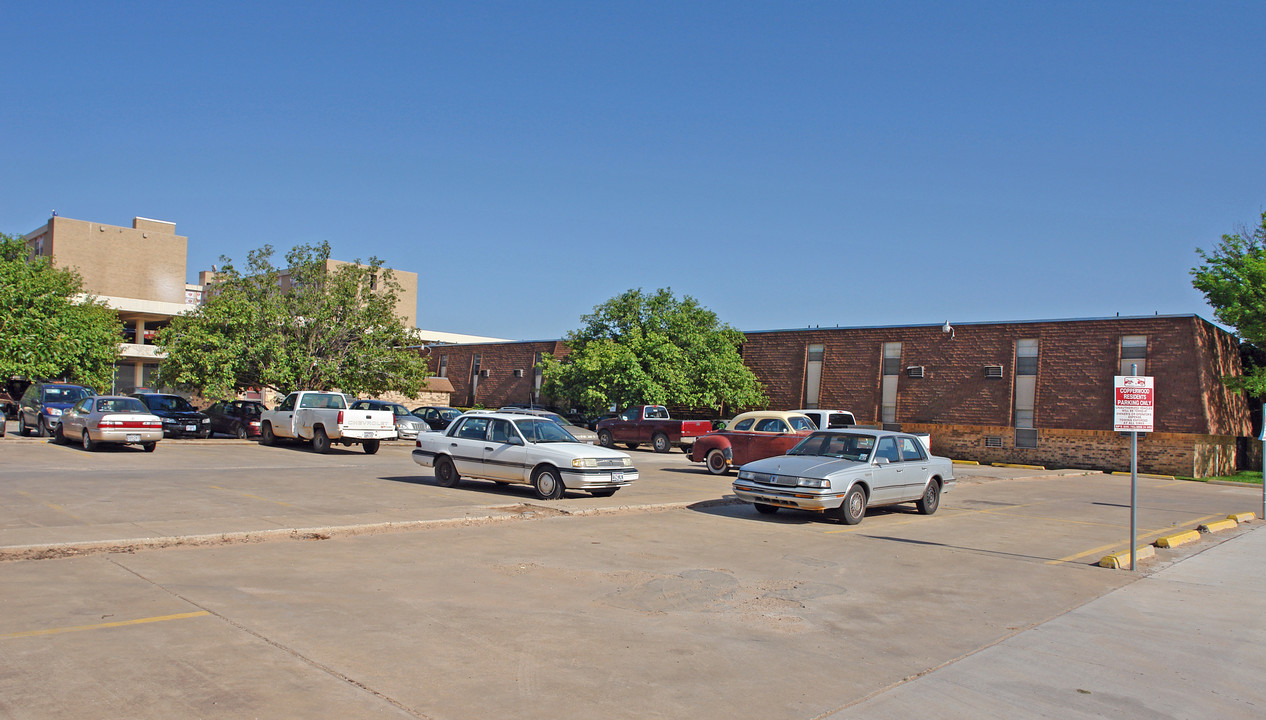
column 830, row 419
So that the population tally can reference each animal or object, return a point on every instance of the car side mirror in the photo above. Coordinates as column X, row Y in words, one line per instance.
column 515, row 441
column 882, row 461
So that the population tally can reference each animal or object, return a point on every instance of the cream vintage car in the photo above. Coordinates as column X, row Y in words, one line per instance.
column 511, row 448
column 843, row 472
column 751, row 436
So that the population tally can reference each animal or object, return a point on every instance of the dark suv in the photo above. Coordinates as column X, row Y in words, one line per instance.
column 180, row 419
column 41, row 407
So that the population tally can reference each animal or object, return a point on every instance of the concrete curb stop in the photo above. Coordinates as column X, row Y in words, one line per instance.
column 1020, row 466
column 1242, row 517
column 1218, row 526
column 1178, row 538
column 1119, row 560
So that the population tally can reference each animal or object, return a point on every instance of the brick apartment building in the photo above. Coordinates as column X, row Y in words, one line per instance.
column 1028, row 392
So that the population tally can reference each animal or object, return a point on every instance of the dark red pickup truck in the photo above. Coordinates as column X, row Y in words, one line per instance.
column 650, row 424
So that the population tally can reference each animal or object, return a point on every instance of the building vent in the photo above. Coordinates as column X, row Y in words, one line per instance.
column 914, row 371
column 518, row 372
column 484, row 373
column 993, row 372
column 993, row 441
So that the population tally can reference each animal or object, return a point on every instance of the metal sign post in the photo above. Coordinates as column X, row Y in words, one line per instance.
column 1133, row 412
column 1263, row 439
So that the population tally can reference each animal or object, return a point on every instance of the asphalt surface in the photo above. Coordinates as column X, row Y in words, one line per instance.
column 224, row 579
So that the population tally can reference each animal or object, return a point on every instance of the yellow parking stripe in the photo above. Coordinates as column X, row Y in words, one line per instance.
column 1142, row 536
column 101, row 626
column 253, row 497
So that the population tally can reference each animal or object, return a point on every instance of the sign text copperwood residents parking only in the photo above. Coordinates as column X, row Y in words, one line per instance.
column 1134, row 405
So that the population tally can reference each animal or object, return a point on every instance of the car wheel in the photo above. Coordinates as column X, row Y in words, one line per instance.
column 22, row 432
column 149, row 446
column 716, row 462
column 41, row 429
column 931, row 499
column 660, row 443
column 547, row 483
column 605, row 439
column 87, row 442
column 59, row 437
column 320, row 441
column 853, row 509
column 445, row 472
column 605, row 492
column 240, row 431
column 371, row 446
column 266, row 436
column 631, row 446
column 764, row 509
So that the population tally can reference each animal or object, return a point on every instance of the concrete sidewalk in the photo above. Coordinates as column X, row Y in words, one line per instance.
column 1187, row 641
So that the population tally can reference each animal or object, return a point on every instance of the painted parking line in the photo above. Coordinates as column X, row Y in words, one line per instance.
column 947, row 513
column 49, row 505
column 253, row 497
column 102, row 626
column 1143, row 536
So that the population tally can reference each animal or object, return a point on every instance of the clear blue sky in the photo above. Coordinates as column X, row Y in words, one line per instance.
column 786, row 163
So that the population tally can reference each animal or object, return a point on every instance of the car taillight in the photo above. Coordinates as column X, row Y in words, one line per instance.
column 417, row 443
column 110, row 423
column 340, row 417
column 153, row 423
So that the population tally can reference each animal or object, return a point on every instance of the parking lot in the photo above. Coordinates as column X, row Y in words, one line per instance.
column 224, row 579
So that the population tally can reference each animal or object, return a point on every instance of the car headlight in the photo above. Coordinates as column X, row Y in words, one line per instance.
column 746, row 475
column 814, row 483
column 206, row 421
column 53, row 411
column 585, row 462
column 628, row 461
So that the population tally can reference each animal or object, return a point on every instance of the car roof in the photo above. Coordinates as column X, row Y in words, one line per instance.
column 821, row 410
column 501, row 415
column 763, row 414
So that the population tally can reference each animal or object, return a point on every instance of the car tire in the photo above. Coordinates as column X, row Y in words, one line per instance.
column 87, row 442
column 446, row 472
column 266, row 436
column 853, row 509
column 547, row 483
column 931, row 499
column 59, row 437
column 371, row 446
column 149, row 446
column 22, row 429
column 320, row 441
column 240, row 431
column 41, row 429
column 765, row 509
column 715, row 460
column 605, row 439
column 660, row 442
column 605, row 492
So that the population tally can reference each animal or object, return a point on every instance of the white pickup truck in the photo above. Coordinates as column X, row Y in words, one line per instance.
column 325, row 418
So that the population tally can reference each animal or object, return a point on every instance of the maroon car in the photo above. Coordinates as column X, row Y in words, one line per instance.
column 239, row 418
column 751, row 436
column 650, row 424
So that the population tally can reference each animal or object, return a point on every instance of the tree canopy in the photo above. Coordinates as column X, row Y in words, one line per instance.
column 307, row 326
column 49, row 328
column 1233, row 280
column 652, row 348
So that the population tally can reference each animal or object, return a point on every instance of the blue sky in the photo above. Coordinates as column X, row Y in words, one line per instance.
column 786, row 163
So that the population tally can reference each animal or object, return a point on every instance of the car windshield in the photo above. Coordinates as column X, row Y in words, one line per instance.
column 120, row 405
column 65, row 394
column 169, row 402
column 537, row 430
column 845, row 446
column 801, row 423
column 450, row 414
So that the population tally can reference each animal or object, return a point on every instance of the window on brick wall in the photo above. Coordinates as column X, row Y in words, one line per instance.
column 891, row 371
column 1025, row 382
column 1133, row 354
column 813, row 375
column 1025, row 438
column 444, row 365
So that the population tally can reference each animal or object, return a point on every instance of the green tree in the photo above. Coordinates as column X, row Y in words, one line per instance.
column 308, row 326
column 49, row 327
column 1233, row 280
column 644, row 348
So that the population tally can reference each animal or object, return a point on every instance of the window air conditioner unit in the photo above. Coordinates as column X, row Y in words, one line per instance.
column 914, row 371
column 484, row 373
column 993, row 371
column 518, row 372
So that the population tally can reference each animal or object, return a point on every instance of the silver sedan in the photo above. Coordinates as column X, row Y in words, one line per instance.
column 843, row 472
column 113, row 419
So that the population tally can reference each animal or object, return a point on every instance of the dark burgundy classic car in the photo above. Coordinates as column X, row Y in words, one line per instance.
column 751, row 436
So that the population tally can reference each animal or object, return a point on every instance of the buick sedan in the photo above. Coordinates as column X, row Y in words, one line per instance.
column 843, row 472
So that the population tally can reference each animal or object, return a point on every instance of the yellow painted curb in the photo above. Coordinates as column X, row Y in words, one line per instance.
column 1119, row 560
column 1218, row 526
column 966, row 462
column 1146, row 475
column 1022, row 467
column 1242, row 517
column 1178, row 538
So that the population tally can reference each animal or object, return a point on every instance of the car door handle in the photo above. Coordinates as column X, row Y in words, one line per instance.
column 488, row 448
column 452, row 444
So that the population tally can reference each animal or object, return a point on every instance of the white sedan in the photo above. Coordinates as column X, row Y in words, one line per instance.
column 509, row 448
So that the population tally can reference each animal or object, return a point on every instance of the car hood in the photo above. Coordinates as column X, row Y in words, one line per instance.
column 178, row 414
column 570, row 450
column 811, row 466
column 58, row 405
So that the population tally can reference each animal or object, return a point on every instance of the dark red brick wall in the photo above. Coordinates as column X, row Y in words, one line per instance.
column 501, row 387
column 1077, row 361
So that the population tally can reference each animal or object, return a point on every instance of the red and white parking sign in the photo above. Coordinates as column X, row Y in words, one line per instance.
column 1134, row 403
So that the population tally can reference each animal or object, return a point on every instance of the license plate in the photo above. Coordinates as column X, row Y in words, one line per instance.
column 133, row 438
column 617, row 476
column 191, row 428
